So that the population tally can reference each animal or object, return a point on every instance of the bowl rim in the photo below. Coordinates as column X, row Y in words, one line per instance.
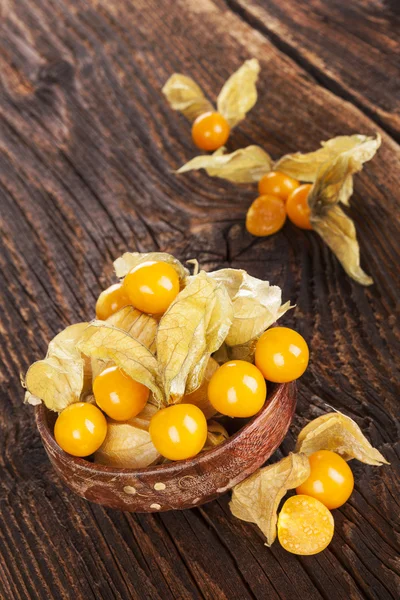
column 50, row 443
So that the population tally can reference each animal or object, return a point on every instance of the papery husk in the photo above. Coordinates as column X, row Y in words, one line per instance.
column 239, row 93
column 186, row 96
column 60, row 378
column 338, row 433
column 200, row 396
column 194, row 326
column 333, row 185
column 129, row 260
column 256, row 304
column 257, row 498
column 105, row 342
column 139, row 325
column 305, row 167
column 128, row 444
column 216, row 434
column 31, row 399
column 246, row 165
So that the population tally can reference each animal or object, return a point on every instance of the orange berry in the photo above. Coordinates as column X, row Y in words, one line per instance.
column 120, row 396
column 297, row 207
column 237, row 389
column 281, row 354
column 80, row 429
column 266, row 216
column 331, row 480
column 210, row 131
column 278, row 184
column 110, row 301
column 152, row 286
column 178, row 431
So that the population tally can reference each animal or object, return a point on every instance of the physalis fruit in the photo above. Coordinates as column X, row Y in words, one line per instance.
column 152, row 286
column 266, row 216
column 305, row 526
column 237, row 389
column 281, row 354
column 118, row 395
column 331, row 480
column 210, row 131
column 80, row 429
column 178, row 431
column 297, row 207
column 277, row 184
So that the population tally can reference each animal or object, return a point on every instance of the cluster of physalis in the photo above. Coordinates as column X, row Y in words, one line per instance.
column 306, row 188
column 171, row 353
column 318, row 472
column 167, row 352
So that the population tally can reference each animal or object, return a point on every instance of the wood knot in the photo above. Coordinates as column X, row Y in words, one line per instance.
column 57, row 72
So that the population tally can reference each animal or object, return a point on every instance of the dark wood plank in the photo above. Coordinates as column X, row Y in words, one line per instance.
column 88, row 149
column 351, row 47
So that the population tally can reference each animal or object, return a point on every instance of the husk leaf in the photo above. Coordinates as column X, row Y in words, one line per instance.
column 256, row 304
column 60, row 378
column 184, row 95
column 215, row 436
column 194, row 326
column 305, row 167
column 105, row 342
column 130, row 260
column 128, row 444
column 139, row 325
column 257, row 498
column 200, row 396
column 246, row 165
column 239, row 93
column 338, row 433
column 333, row 185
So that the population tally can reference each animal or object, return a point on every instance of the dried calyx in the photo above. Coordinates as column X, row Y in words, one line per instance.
column 237, row 96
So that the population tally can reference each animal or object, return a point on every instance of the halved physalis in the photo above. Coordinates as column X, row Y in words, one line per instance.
column 110, row 301
column 305, row 526
column 266, row 216
column 211, row 128
column 297, row 207
column 152, row 286
column 118, row 395
column 277, row 184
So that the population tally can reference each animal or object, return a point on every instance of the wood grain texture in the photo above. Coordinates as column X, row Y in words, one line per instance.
column 86, row 172
column 351, row 48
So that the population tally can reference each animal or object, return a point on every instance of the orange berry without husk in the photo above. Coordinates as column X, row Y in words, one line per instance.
column 305, row 526
column 179, row 431
column 152, row 286
column 281, row 354
column 266, row 216
column 297, row 207
column 277, row 184
column 118, row 395
column 210, row 131
column 80, row 429
column 237, row 389
column 331, row 480
column 111, row 300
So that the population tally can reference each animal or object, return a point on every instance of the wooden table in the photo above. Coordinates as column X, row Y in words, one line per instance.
column 89, row 146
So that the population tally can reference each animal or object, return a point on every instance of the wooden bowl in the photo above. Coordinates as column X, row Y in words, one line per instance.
column 183, row 484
